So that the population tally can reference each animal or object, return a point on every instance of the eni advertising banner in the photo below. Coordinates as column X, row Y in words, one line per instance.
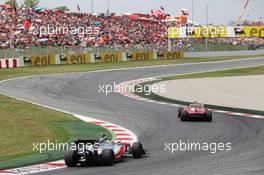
column 80, row 58
column 141, row 56
column 111, row 57
column 216, row 32
column 39, row 60
column 170, row 55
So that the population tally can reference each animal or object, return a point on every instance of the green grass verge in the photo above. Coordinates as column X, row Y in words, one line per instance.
column 27, row 71
column 259, row 70
column 23, row 124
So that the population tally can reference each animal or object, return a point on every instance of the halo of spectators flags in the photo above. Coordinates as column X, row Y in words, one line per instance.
column 18, row 28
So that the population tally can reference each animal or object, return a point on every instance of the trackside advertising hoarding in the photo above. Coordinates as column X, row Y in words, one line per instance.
column 78, row 58
column 39, row 60
column 216, row 32
column 86, row 58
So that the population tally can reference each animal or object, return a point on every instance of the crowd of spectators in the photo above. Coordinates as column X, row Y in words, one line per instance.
column 250, row 42
column 21, row 28
column 253, row 23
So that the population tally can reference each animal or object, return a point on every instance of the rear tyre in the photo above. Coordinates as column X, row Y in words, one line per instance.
column 71, row 158
column 108, row 157
column 184, row 116
column 137, row 150
column 208, row 116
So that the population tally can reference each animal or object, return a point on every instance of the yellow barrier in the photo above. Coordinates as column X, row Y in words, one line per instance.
column 84, row 58
column 110, row 57
column 213, row 32
column 252, row 31
column 170, row 55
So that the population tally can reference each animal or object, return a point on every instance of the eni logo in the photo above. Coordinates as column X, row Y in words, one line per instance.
column 111, row 57
column 42, row 60
column 141, row 56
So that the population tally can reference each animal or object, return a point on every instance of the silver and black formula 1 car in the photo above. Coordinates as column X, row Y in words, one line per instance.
column 101, row 152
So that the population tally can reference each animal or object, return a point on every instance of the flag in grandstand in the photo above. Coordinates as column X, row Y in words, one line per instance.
column 78, row 8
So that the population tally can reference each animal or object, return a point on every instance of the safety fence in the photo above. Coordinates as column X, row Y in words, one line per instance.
column 12, row 53
column 190, row 45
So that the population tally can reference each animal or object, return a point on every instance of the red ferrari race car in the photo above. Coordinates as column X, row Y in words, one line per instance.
column 101, row 152
column 196, row 111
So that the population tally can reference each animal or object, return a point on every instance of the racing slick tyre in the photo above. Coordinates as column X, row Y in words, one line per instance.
column 137, row 150
column 71, row 158
column 179, row 112
column 208, row 116
column 184, row 116
column 108, row 157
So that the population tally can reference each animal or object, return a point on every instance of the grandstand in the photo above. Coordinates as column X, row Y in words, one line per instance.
column 28, row 31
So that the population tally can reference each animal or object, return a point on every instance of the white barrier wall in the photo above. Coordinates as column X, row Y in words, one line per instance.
column 9, row 63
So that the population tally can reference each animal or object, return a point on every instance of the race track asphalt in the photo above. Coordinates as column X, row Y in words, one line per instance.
column 154, row 124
